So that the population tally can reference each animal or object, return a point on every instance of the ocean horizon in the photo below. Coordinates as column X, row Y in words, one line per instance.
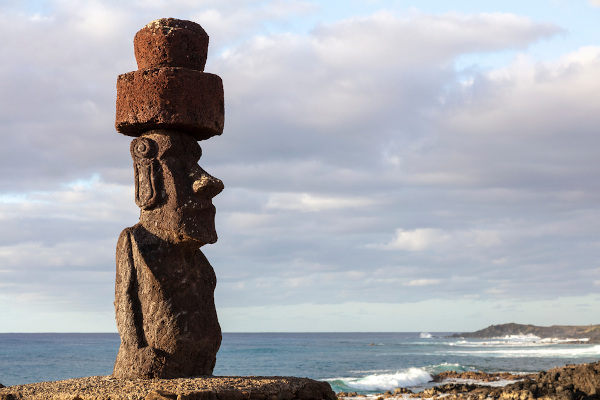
column 366, row 362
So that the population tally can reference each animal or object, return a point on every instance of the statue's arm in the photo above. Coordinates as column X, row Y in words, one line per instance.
column 127, row 303
column 136, row 359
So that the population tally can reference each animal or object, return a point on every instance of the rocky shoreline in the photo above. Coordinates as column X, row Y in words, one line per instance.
column 572, row 382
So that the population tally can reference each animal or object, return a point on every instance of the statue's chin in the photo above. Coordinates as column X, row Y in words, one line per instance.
column 189, row 232
column 200, row 239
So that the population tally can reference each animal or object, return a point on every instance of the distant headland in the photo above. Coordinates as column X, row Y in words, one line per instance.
column 579, row 334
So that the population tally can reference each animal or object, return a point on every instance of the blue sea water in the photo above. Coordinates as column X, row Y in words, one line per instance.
column 364, row 362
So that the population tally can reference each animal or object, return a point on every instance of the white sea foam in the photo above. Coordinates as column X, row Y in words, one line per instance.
column 497, row 343
column 436, row 369
column 553, row 351
column 557, row 340
column 407, row 378
column 520, row 338
column 514, row 341
column 425, row 335
column 498, row 383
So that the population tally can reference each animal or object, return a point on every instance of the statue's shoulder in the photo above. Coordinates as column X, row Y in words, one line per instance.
column 127, row 236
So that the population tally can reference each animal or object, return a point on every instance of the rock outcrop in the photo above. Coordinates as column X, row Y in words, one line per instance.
column 572, row 382
column 477, row 376
column 164, row 290
column 591, row 332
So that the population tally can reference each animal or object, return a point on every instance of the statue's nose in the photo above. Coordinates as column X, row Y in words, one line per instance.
column 207, row 186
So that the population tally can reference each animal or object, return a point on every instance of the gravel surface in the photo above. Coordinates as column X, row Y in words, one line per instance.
column 205, row 388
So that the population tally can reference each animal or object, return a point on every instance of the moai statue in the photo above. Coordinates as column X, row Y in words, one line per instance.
column 164, row 292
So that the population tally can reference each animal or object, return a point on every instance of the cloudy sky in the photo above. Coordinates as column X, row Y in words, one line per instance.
column 389, row 165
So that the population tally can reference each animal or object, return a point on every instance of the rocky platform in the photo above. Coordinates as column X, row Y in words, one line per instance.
column 203, row 388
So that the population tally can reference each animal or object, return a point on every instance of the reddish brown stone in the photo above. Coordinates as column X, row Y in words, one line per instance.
column 182, row 99
column 169, row 42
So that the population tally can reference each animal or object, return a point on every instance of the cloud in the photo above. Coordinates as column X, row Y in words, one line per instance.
column 423, row 282
column 595, row 3
column 309, row 203
column 57, row 247
column 377, row 77
column 436, row 239
column 529, row 125
column 357, row 158
column 416, row 240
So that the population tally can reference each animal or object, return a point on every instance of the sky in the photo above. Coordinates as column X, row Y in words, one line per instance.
column 388, row 165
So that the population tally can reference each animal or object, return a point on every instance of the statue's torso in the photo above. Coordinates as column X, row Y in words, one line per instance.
column 170, row 292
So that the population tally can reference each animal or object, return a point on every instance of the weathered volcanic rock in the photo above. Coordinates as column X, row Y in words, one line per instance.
column 572, row 382
column 170, row 89
column 164, row 290
column 169, row 42
column 181, row 99
column 478, row 376
column 583, row 379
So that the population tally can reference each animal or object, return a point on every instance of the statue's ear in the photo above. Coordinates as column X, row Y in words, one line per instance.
column 145, row 166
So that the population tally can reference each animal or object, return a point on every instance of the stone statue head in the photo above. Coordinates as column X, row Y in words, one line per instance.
column 173, row 191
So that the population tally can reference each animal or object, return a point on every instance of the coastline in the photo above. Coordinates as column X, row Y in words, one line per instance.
column 574, row 334
column 367, row 363
column 571, row 382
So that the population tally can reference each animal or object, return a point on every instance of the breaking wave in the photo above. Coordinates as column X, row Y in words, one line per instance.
column 378, row 382
column 383, row 382
column 514, row 341
column 532, row 351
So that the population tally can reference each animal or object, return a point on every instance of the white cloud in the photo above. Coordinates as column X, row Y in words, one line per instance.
column 423, row 282
column 415, row 240
column 530, row 125
column 83, row 200
column 357, row 74
column 311, row 203
column 60, row 255
column 422, row 239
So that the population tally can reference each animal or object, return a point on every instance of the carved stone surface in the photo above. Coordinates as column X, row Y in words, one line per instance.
column 169, row 42
column 164, row 291
column 170, row 89
column 174, row 98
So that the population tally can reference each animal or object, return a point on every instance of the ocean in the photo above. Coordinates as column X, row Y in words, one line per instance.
column 363, row 362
